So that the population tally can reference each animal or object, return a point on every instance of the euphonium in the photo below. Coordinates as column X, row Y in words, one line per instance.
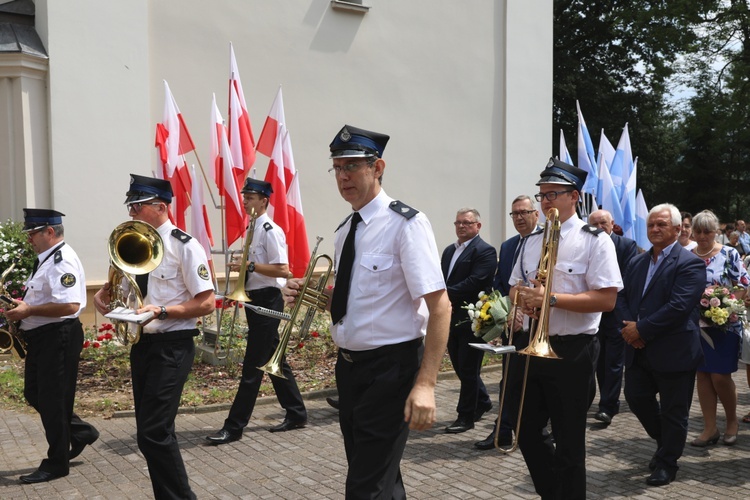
column 539, row 345
column 135, row 248
column 238, row 294
column 10, row 340
column 311, row 296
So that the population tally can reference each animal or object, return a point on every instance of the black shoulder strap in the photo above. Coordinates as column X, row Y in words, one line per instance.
column 181, row 235
column 403, row 209
column 593, row 230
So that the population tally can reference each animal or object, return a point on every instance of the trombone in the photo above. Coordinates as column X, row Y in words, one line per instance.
column 539, row 345
column 238, row 295
column 311, row 296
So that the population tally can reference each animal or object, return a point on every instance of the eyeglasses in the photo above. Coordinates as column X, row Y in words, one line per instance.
column 138, row 206
column 349, row 168
column 552, row 195
column 464, row 223
column 521, row 213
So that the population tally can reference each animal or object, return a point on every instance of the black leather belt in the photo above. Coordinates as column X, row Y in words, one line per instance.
column 357, row 356
column 571, row 338
column 168, row 336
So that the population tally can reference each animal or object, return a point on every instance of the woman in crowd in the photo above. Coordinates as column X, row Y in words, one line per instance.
column 720, row 344
column 687, row 231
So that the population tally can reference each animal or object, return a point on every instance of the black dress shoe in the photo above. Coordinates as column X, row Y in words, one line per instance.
column 459, row 426
column 77, row 448
column 334, row 403
column 489, row 442
column 288, row 425
column 480, row 412
column 660, row 477
column 603, row 417
column 40, row 476
column 223, row 437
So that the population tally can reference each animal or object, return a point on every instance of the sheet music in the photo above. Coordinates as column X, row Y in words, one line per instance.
column 494, row 349
column 129, row 315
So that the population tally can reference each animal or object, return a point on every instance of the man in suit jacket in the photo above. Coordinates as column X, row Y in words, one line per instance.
column 468, row 267
column 611, row 345
column 659, row 307
column 525, row 218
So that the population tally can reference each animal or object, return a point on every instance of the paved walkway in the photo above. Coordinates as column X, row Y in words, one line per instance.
column 310, row 463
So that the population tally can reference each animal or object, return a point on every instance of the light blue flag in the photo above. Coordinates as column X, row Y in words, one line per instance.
column 628, row 204
column 610, row 200
column 606, row 152
column 564, row 153
column 641, row 219
column 621, row 165
column 586, row 159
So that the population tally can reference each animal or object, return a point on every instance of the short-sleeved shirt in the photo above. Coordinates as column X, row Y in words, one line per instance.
column 58, row 280
column 585, row 261
column 396, row 263
column 268, row 247
column 181, row 275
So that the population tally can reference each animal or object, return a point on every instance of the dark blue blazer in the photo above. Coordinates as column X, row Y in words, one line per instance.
column 505, row 264
column 666, row 314
column 471, row 274
column 626, row 249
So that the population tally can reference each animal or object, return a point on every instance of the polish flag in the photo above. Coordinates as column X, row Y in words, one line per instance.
column 296, row 238
column 223, row 172
column 240, row 131
column 277, row 203
column 173, row 141
column 267, row 138
column 201, row 227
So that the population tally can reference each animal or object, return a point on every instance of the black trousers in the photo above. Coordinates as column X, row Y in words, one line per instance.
column 665, row 420
column 262, row 340
column 373, row 388
column 467, row 363
column 50, row 380
column 609, row 369
column 559, row 391
column 160, row 369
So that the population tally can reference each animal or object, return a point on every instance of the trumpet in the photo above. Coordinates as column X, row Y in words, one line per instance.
column 539, row 345
column 311, row 296
column 10, row 339
column 135, row 248
column 238, row 294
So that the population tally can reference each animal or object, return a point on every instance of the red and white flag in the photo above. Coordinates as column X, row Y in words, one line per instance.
column 296, row 238
column 240, row 131
column 268, row 135
column 200, row 226
column 223, row 172
column 172, row 142
column 277, row 204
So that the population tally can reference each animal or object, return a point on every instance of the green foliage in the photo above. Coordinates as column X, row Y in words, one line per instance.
column 11, row 384
column 14, row 247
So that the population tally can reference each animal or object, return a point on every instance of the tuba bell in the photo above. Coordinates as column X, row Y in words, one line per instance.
column 135, row 248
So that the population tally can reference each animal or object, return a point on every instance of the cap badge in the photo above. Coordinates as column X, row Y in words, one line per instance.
column 345, row 135
column 551, row 163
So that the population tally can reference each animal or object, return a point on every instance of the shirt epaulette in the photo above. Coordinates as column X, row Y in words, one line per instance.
column 267, row 226
column 588, row 228
column 538, row 230
column 403, row 209
column 181, row 235
column 58, row 257
column 344, row 221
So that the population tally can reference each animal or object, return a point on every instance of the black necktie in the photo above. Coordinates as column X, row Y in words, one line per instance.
column 142, row 281
column 33, row 269
column 344, row 273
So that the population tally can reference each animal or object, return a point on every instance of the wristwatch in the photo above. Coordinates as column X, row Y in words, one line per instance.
column 163, row 314
column 552, row 300
column 251, row 267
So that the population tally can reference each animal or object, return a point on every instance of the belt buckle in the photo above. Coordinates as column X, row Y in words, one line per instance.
column 347, row 357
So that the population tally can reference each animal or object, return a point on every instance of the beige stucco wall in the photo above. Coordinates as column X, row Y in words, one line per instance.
column 463, row 88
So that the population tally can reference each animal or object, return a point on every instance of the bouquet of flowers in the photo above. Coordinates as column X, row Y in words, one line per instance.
column 719, row 307
column 488, row 315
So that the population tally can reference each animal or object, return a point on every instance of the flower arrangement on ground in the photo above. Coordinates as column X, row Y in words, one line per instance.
column 720, row 307
column 488, row 315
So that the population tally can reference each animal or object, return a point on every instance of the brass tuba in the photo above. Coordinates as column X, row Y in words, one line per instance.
column 10, row 339
column 311, row 296
column 539, row 345
column 135, row 248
